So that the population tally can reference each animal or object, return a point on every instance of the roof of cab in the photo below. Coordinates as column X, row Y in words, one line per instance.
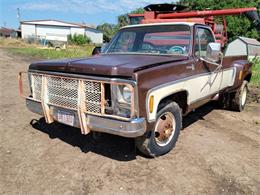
column 162, row 23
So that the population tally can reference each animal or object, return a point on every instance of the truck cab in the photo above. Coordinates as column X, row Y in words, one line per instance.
column 141, row 85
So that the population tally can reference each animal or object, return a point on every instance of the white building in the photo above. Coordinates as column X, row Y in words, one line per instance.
column 243, row 46
column 58, row 30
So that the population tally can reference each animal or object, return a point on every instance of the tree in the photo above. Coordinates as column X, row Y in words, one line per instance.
column 79, row 39
column 238, row 25
column 122, row 20
column 138, row 11
column 108, row 31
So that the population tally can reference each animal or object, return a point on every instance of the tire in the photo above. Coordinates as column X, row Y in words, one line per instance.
column 165, row 133
column 239, row 100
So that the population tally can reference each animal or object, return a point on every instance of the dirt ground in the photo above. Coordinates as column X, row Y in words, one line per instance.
column 218, row 152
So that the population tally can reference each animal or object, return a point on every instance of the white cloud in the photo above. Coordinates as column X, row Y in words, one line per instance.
column 88, row 6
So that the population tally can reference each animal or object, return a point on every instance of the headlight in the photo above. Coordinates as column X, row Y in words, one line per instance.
column 121, row 96
column 126, row 93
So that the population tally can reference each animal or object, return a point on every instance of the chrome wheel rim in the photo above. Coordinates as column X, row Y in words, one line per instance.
column 165, row 128
column 244, row 95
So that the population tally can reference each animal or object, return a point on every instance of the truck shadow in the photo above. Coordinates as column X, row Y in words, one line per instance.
column 111, row 146
column 199, row 114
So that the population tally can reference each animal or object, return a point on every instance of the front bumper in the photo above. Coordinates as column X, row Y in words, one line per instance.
column 132, row 128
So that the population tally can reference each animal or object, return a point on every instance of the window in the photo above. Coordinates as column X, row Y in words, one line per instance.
column 125, row 42
column 202, row 38
column 173, row 42
column 154, row 39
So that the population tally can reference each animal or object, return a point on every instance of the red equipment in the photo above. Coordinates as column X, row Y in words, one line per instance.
column 157, row 13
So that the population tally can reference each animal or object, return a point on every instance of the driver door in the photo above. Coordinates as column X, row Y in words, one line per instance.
column 212, row 78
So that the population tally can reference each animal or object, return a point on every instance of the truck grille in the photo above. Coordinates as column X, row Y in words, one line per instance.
column 36, row 86
column 93, row 96
column 63, row 92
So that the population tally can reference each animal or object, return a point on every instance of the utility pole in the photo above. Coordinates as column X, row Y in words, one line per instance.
column 18, row 15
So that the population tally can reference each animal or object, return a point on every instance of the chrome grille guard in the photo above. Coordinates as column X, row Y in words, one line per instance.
column 83, row 94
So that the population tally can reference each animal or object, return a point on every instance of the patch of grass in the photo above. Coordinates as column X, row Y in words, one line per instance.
column 255, row 80
column 73, row 52
column 8, row 42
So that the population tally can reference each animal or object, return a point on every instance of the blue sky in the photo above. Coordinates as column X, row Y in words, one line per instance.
column 88, row 11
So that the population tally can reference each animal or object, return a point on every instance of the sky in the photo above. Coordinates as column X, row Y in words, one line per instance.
column 89, row 11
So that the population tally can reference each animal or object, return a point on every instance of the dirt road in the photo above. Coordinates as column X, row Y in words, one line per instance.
column 218, row 152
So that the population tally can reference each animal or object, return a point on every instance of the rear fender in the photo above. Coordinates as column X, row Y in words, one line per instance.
column 243, row 72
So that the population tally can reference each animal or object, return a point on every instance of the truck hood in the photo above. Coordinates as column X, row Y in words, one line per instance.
column 106, row 64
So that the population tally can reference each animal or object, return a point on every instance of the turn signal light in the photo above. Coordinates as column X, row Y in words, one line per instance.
column 240, row 75
column 151, row 101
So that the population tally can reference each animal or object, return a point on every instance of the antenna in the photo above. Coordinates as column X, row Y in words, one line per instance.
column 18, row 14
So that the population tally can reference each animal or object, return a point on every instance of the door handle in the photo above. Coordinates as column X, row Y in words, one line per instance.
column 191, row 67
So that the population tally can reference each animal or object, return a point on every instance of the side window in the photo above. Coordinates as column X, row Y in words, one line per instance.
column 202, row 38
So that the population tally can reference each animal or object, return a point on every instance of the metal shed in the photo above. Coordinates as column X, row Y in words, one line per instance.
column 56, row 30
column 243, row 46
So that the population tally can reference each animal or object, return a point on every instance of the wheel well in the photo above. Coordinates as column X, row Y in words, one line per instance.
column 180, row 98
column 248, row 77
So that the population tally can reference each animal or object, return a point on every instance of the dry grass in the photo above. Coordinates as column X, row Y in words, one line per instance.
column 13, row 43
column 20, row 47
column 72, row 52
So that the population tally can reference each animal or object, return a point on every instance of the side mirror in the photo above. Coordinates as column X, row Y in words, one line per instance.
column 213, row 52
column 96, row 51
column 99, row 49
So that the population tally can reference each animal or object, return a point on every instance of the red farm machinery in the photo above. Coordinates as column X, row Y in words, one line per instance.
column 156, row 13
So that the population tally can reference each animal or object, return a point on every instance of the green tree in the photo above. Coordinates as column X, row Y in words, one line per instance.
column 122, row 20
column 238, row 25
column 137, row 11
column 79, row 39
column 108, row 31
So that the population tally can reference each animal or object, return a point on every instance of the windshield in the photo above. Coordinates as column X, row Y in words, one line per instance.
column 157, row 39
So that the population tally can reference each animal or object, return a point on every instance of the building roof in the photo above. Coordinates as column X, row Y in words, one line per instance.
column 249, row 41
column 51, row 22
column 6, row 31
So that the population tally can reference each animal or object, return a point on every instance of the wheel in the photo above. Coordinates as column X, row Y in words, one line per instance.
column 240, row 98
column 235, row 101
column 165, row 133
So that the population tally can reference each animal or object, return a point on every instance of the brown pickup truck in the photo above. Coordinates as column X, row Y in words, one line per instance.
column 142, row 84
